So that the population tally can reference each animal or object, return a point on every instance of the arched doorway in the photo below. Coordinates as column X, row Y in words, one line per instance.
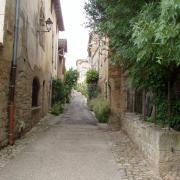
column 43, row 98
column 35, row 92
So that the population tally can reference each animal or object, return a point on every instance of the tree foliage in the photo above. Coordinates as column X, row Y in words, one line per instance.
column 144, row 39
column 92, row 76
column 144, row 34
column 58, row 94
column 71, row 77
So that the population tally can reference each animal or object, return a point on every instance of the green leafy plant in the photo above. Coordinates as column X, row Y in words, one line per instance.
column 92, row 90
column 57, row 109
column 101, row 109
column 92, row 76
column 58, row 91
column 71, row 77
column 144, row 37
column 82, row 88
column 70, row 82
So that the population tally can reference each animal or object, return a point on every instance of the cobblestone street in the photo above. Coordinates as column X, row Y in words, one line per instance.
column 73, row 146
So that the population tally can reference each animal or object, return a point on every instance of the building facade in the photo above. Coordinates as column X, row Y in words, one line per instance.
column 98, row 59
column 62, row 49
column 109, row 74
column 82, row 68
column 36, row 61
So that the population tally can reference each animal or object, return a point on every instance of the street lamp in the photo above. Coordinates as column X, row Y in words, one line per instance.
column 49, row 24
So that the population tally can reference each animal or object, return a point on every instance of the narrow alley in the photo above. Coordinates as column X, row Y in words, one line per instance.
column 89, row 90
column 73, row 146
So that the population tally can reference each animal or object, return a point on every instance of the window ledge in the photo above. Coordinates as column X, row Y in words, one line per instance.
column 35, row 108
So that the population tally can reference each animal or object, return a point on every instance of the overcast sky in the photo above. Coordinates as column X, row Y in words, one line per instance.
column 76, row 34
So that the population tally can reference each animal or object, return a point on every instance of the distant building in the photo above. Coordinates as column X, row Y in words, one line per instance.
column 62, row 49
column 82, row 67
column 98, row 59
column 110, row 76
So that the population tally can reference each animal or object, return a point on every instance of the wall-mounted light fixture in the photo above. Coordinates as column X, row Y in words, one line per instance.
column 49, row 24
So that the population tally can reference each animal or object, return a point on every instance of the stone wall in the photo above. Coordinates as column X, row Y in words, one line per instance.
column 160, row 146
column 5, row 67
column 115, row 100
column 26, row 115
column 4, row 85
column 61, row 68
column 115, row 88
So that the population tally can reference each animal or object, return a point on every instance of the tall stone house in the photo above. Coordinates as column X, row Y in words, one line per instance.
column 109, row 75
column 39, row 23
column 62, row 49
column 160, row 146
column 82, row 68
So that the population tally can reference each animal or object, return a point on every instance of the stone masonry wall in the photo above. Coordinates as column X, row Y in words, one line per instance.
column 5, row 67
column 4, row 85
column 26, row 116
column 160, row 146
column 115, row 95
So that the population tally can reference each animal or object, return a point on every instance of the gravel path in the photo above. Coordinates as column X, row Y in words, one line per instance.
column 73, row 147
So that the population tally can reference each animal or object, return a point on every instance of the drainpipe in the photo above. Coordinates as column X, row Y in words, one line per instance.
column 11, row 109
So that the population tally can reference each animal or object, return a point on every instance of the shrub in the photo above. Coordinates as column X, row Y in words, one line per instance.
column 92, row 90
column 92, row 76
column 57, row 108
column 82, row 88
column 58, row 93
column 101, row 109
column 70, row 78
column 67, row 93
column 70, row 81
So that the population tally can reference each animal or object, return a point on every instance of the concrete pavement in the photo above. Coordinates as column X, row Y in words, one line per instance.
column 73, row 147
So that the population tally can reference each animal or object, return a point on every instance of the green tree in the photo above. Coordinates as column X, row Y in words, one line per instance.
column 71, row 77
column 70, row 81
column 144, row 39
column 92, row 76
column 58, row 91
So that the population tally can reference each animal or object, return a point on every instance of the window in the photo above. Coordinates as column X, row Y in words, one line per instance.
column 35, row 92
column 2, row 13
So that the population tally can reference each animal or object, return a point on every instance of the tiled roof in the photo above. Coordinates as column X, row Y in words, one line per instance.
column 57, row 6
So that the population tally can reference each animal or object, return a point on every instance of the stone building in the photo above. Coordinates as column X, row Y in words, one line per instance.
column 82, row 68
column 109, row 75
column 94, row 51
column 62, row 49
column 37, row 23
column 98, row 59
